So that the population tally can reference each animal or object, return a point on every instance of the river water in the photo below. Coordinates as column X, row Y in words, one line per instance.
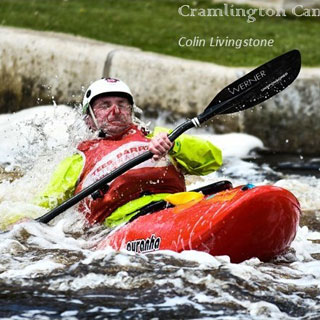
column 51, row 272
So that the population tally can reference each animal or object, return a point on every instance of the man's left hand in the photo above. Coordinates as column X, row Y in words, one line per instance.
column 160, row 145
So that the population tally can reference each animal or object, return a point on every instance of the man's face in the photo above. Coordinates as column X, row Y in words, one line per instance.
column 113, row 115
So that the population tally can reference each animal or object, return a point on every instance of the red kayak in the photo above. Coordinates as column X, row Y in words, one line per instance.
column 242, row 222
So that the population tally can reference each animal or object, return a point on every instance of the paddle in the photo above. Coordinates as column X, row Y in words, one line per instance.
column 255, row 87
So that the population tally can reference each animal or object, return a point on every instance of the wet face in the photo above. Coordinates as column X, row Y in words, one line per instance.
column 113, row 115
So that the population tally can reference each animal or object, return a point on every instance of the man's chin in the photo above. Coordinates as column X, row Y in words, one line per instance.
column 114, row 130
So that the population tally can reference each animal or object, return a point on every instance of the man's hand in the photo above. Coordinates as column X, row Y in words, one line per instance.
column 160, row 145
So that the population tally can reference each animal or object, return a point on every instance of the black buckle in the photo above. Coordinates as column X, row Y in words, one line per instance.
column 100, row 192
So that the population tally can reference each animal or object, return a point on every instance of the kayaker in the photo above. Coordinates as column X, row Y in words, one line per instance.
column 108, row 108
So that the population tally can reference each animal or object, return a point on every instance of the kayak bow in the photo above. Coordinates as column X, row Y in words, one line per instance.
column 242, row 222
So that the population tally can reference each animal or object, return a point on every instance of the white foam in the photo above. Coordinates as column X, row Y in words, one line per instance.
column 121, row 280
column 306, row 189
column 234, row 144
column 265, row 310
column 27, row 134
column 31, row 269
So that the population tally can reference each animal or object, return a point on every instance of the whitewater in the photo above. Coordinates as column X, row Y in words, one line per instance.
column 52, row 272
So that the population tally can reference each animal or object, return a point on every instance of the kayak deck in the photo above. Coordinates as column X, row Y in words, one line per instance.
column 242, row 222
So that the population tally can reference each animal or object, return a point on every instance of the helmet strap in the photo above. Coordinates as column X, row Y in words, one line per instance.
column 101, row 133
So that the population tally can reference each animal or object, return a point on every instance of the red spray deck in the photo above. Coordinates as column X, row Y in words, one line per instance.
column 242, row 223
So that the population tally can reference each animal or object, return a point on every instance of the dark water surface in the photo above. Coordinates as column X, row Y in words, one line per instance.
column 47, row 273
column 160, row 287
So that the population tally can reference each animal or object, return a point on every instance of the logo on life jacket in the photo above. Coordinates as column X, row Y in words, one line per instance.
column 144, row 245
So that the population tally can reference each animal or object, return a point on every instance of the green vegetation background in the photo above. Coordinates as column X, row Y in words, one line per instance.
column 155, row 25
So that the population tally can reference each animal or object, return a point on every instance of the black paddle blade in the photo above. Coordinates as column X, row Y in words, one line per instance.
column 255, row 87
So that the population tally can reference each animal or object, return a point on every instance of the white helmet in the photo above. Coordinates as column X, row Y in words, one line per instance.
column 109, row 86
